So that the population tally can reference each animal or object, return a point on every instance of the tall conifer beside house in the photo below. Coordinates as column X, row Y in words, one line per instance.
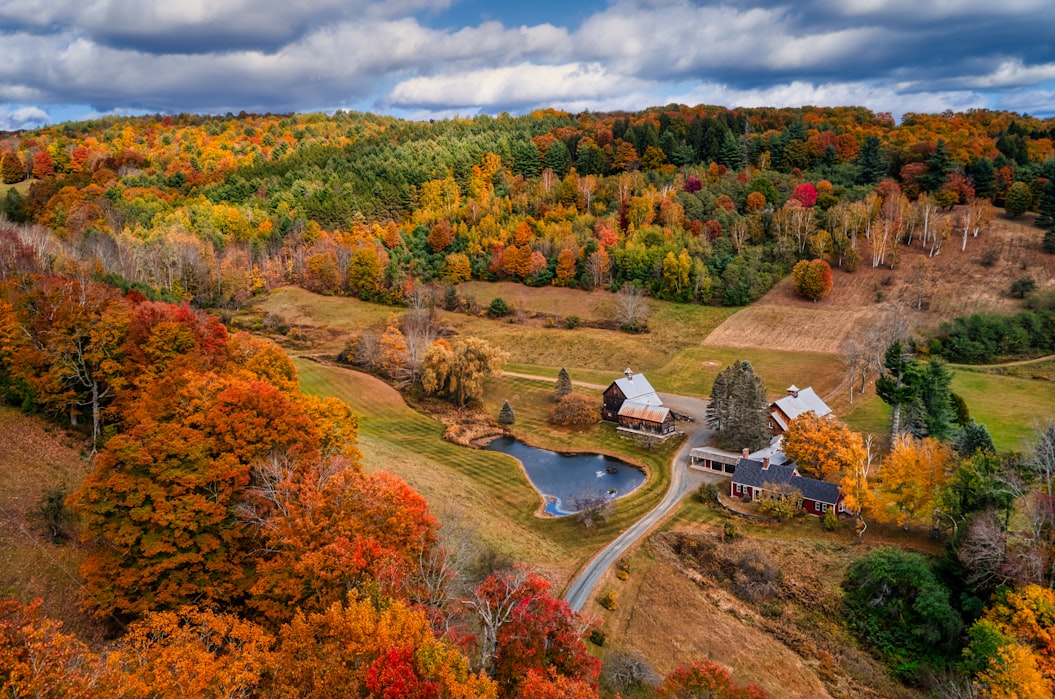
column 738, row 410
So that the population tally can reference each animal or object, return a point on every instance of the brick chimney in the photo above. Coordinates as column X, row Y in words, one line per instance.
column 629, row 374
column 765, row 463
column 746, row 453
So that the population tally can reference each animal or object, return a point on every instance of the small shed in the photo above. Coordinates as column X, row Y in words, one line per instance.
column 642, row 417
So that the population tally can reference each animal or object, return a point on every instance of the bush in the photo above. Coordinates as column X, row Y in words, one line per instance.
column 598, row 637
column 989, row 258
column 571, row 322
column 499, row 308
column 830, row 521
column 707, row 492
column 506, row 416
column 576, row 411
column 607, row 600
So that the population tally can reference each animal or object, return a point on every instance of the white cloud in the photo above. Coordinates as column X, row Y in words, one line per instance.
column 521, row 84
column 26, row 117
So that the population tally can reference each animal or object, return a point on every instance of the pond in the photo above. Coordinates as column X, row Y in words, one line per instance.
column 564, row 478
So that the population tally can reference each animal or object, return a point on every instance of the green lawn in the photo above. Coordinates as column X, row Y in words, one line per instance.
column 1010, row 407
column 489, row 486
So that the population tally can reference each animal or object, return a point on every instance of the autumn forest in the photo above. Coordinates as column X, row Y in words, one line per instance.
column 234, row 545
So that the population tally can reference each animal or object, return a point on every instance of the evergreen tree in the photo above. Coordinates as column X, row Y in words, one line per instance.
column 939, row 166
column 505, row 415
column 526, row 159
column 558, row 158
column 563, row 386
column 1046, row 205
column 871, row 166
column 1048, row 245
column 729, row 153
column 981, row 174
column 898, row 384
column 935, row 397
column 738, row 410
column 974, row 437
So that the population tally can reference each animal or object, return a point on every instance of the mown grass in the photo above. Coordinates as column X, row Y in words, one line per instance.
column 489, row 486
column 1010, row 407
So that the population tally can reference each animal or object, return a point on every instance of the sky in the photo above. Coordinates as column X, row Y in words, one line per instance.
column 65, row 60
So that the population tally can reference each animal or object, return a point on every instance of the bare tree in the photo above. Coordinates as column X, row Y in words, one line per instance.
column 631, row 308
column 738, row 233
column 594, row 508
column 625, row 671
column 420, row 330
column 855, row 356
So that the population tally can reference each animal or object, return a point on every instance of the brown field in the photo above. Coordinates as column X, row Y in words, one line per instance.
column 956, row 284
column 672, row 615
column 36, row 457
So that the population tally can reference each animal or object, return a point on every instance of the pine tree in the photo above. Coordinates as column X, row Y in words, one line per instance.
column 935, row 395
column 898, row 385
column 563, row 386
column 1048, row 245
column 558, row 158
column 975, row 437
column 729, row 154
column 738, row 407
column 1046, row 205
column 506, row 415
column 870, row 163
column 938, row 168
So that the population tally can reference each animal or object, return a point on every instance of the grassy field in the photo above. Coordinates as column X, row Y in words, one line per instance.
column 1012, row 408
column 671, row 355
column 488, row 487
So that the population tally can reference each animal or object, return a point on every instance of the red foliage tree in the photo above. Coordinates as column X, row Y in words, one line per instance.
column 522, row 627
column 705, row 678
column 805, row 193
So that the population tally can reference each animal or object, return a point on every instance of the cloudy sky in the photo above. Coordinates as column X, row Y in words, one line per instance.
column 74, row 59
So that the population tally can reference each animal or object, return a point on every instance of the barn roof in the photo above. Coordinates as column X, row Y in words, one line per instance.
column 720, row 455
column 637, row 388
column 643, row 411
column 802, row 401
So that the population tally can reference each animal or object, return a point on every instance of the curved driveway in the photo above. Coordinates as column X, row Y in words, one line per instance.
column 682, row 481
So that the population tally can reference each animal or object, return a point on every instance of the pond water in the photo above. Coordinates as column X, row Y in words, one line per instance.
column 564, row 478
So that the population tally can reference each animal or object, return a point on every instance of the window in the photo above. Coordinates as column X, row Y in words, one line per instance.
column 739, row 489
column 822, row 507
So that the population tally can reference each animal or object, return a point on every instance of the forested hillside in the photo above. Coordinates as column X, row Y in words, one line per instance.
column 704, row 204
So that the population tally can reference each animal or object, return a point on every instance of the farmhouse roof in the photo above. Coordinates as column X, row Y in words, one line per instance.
column 772, row 452
column 806, row 400
column 637, row 388
column 643, row 411
column 813, row 489
column 755, row 474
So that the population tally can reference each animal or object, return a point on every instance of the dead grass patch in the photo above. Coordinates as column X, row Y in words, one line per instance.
column 36, row 457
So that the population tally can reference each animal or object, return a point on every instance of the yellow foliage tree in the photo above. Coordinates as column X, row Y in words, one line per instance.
column 822, row 448
column 912, row 478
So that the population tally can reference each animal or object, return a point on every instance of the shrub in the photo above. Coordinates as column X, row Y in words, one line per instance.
column 607, row 600
column 989, row 258
column 730, row 532
column 499, row 308
column 830, row 521
column 707, row 492
column 576, row 411
column 598, row 637
column 571, row 322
